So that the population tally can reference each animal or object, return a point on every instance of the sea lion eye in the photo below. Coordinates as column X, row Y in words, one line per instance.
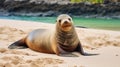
column 69, row 19
column 59, row 20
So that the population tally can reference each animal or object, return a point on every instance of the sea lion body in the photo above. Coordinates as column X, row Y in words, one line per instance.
column 40, row 40
column 62, row 39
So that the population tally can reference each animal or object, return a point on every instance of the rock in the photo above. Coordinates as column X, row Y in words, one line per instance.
column 56, row 7
column 1, row 2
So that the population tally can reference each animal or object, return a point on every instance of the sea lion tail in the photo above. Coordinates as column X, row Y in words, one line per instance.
column 20, row 44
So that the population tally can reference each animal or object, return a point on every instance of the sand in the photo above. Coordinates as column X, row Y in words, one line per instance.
column 102, row 42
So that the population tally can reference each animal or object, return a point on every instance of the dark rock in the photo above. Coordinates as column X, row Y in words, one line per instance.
column 26, row 7
column 80, row 27
column 1, row 3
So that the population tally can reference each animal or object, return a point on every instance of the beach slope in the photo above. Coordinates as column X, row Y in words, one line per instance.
column 103, row 42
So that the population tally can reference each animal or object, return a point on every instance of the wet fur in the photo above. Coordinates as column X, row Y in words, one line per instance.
column 51, row 42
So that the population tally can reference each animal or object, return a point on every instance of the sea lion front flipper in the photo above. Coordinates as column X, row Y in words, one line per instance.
column 80, row 50
column 20, row 44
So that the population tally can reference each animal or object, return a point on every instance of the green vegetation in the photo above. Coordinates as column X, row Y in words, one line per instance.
column 76, row 1
column 91, row 1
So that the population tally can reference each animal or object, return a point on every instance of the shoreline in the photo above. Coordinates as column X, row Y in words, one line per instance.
column 103, row 42
column 48, row 14
column 78, row 26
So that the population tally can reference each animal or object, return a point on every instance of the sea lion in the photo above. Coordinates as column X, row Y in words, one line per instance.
column 62, row 39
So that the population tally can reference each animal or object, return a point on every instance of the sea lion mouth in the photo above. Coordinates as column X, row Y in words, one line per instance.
column 66, row 25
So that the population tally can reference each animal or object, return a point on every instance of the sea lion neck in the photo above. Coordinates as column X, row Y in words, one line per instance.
column 64, row 34
column 65, row 38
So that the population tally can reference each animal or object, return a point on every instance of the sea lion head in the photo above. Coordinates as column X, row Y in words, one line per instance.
column 64, row 22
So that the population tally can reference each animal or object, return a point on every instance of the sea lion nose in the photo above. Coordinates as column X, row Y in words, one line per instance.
column 66, row 22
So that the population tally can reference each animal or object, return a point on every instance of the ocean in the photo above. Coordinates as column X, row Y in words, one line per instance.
column 95, row 23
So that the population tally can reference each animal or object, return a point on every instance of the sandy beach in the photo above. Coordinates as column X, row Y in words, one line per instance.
column 103, row 42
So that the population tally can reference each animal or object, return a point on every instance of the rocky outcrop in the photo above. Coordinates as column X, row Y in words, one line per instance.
column 2, row 2
column 42, row 8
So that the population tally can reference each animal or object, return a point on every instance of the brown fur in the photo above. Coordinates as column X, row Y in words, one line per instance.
column 62, row 39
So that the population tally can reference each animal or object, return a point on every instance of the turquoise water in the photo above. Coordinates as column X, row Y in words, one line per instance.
column 96, row 23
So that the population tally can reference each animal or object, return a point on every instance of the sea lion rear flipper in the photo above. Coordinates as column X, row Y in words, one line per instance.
column 20, row 44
